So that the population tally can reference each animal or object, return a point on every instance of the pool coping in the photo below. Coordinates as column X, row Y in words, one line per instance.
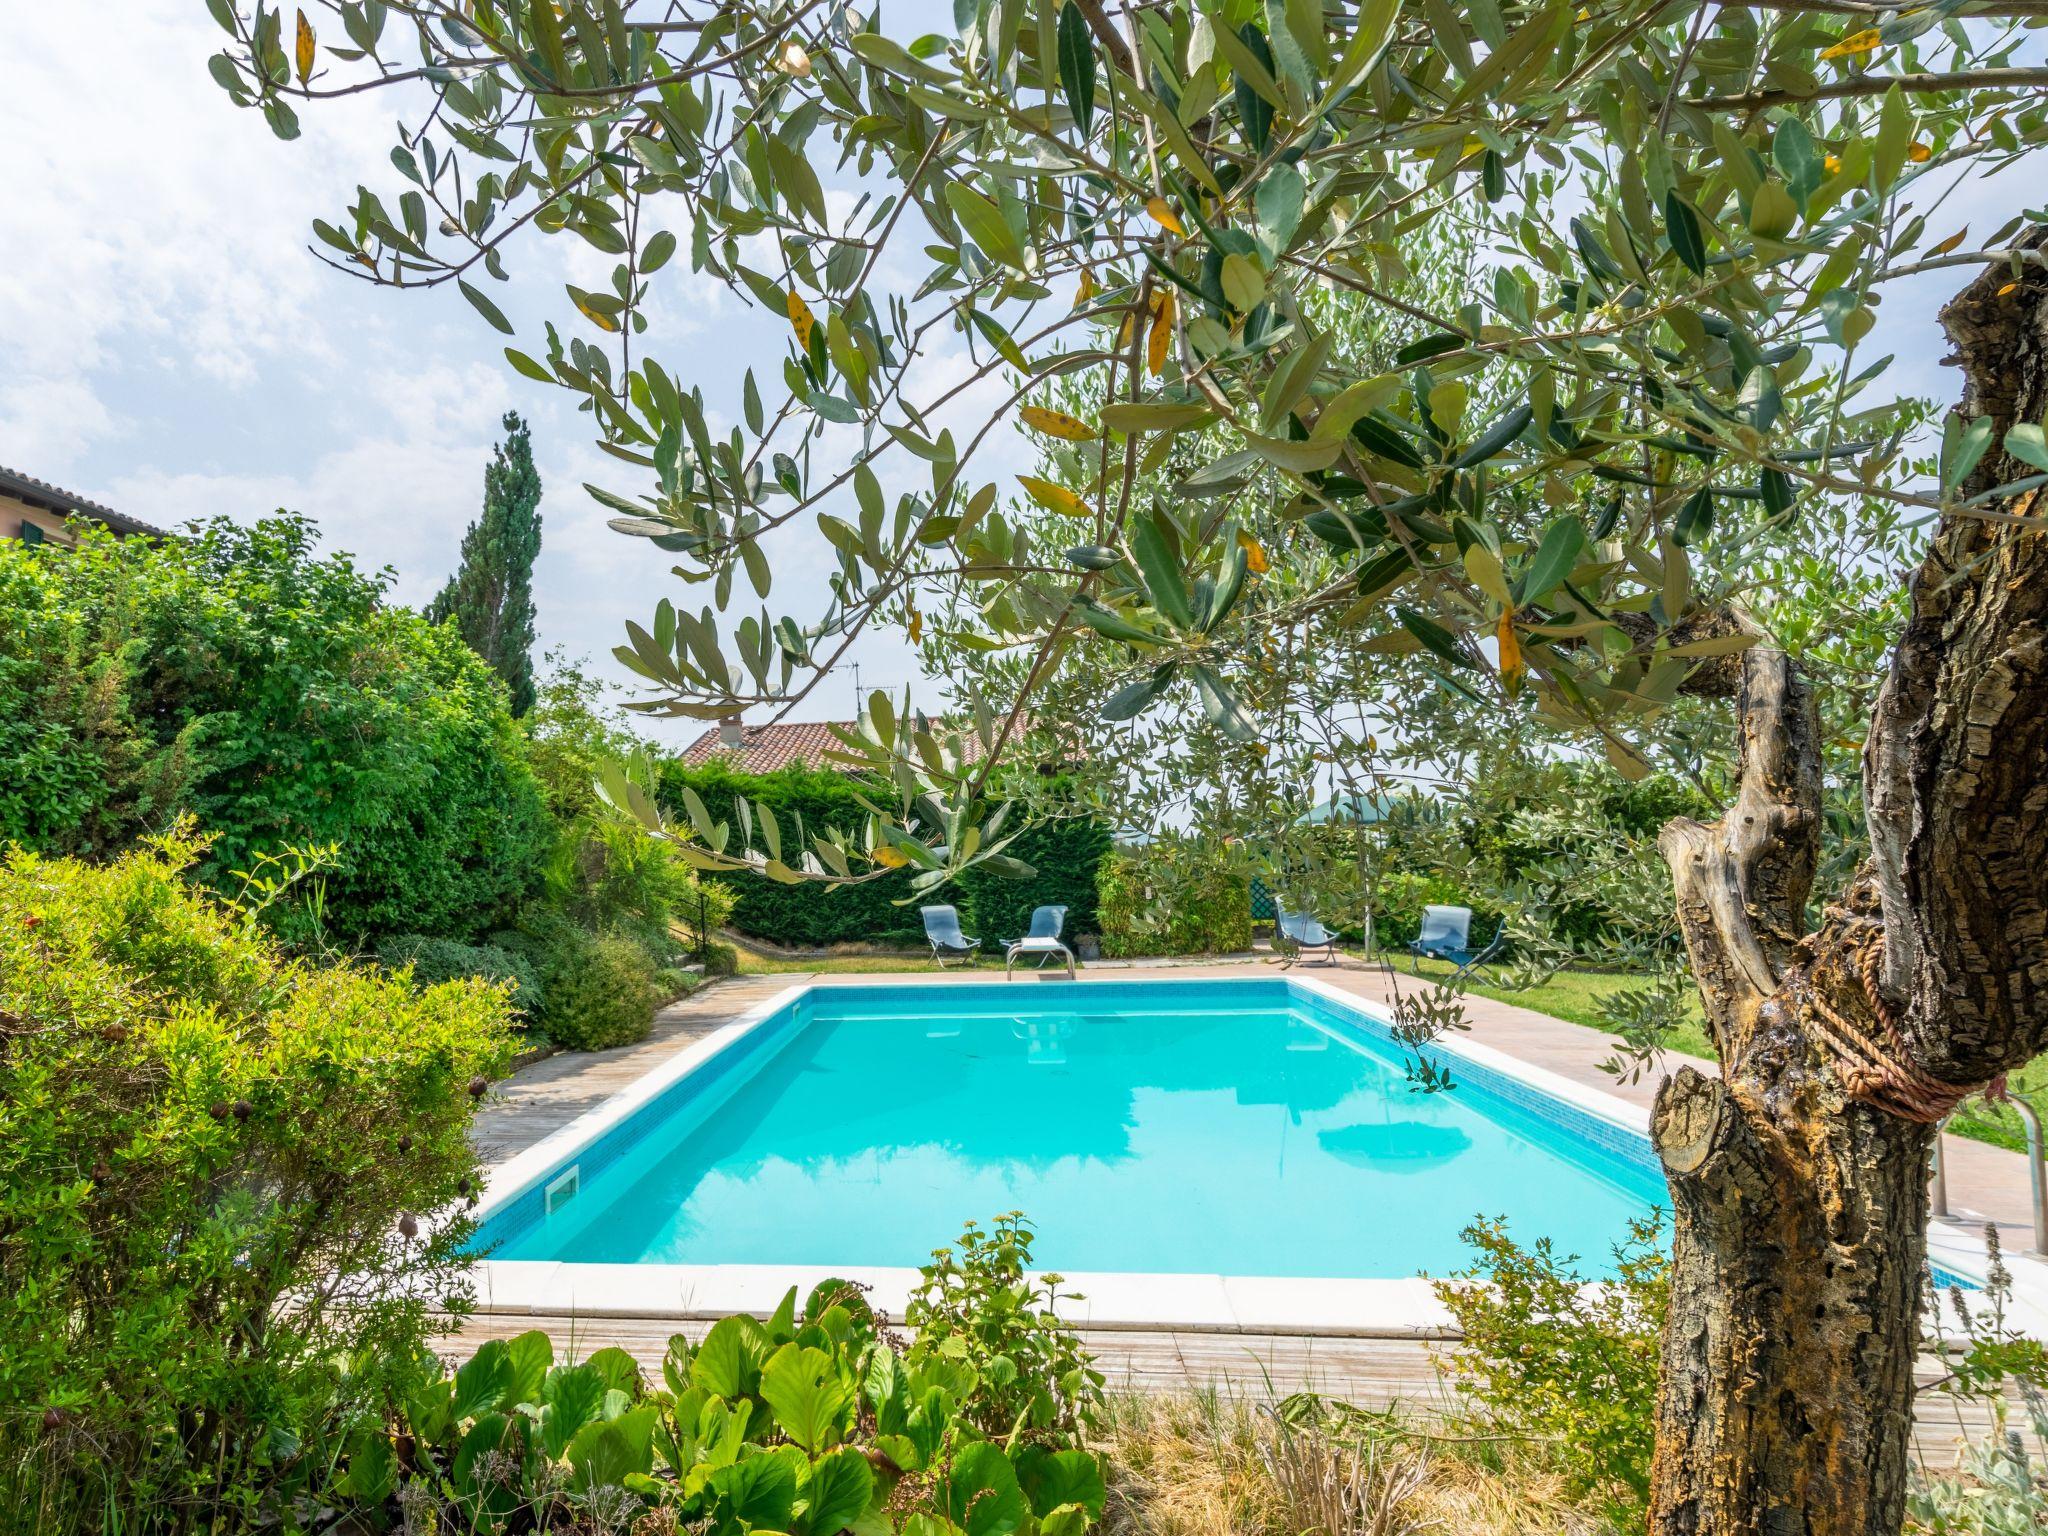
column 1104, row 1300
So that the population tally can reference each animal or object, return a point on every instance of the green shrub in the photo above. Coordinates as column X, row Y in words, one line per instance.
column 206, row 1150
column 273, row 694
column 721, row 959
column 1173, row 897
column 434, row 961
column 812, row 1421
column 597, row 990
column 1398, row 900
column 1550, row 1358
column 608, row 873
column 672, row 982
column 979, row 1306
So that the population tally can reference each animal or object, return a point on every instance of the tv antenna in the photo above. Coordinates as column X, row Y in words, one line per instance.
column 859, row 698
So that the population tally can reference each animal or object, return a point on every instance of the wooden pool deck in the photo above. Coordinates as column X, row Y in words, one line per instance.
column 1366, row 1373
column 1370, row 1372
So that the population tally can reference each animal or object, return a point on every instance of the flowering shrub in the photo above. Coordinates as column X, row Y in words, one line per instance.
column 218, row 1168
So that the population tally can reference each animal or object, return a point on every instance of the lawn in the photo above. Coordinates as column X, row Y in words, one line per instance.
column 756, row 962
column 1575, row 996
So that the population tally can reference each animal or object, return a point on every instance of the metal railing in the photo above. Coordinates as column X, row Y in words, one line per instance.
column 2037, row 1171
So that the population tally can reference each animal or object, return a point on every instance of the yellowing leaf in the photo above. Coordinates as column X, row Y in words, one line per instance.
column 1053, row 497
column 1085, row 289
column 792, row 60
column 801, row 318
column 889, row 857
column 1919, row 154
column 1255, row 559
column 1164, row 216
column 1057, row 424
column 1244, row 285
column 303, row 49
column 1162, row 332
column 916, row 626
column 2006, row 288
column 1954, row 240
column 597, row 318
column 1856, row 42
column 1510, row 650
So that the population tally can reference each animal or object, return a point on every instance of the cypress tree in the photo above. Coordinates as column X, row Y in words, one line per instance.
column 490, row 596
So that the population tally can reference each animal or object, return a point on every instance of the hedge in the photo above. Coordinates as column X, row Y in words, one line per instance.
column 798, row 916
column 1065, row 853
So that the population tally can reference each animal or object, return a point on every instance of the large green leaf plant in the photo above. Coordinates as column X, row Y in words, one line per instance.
column 810, row 1422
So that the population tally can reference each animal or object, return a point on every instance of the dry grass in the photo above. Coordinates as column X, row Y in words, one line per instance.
column 1203, row 1464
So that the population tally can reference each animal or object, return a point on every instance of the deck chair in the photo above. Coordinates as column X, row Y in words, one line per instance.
column 1446, row 935
column 942, row 928
column 1306, row 933
column 1043, row 941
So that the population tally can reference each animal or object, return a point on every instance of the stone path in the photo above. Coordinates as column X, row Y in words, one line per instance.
column 540, row 1099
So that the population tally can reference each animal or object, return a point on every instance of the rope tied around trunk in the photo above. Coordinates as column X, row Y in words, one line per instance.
column 1879, row 1068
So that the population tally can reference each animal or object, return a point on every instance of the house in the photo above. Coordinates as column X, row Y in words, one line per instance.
column 40, row 513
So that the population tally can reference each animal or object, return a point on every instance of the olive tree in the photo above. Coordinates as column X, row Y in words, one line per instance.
column 1688, row 216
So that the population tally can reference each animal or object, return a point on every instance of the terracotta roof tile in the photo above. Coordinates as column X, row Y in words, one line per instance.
column 765, row 748
column 65, row 503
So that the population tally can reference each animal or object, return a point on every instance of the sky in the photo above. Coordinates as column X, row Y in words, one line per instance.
column 169, row 344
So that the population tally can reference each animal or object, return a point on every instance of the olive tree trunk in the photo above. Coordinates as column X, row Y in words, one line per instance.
column 1799, row 1177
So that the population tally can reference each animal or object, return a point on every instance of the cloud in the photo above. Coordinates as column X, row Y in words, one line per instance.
column 162, row 239
column 173, row 347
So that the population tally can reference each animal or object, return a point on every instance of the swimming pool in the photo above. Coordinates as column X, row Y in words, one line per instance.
column 1260, row 1127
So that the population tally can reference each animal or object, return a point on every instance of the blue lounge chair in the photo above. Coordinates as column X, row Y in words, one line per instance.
column 942, row 927
column 1043, row 941
column 1305, row 934
column 1446, row 935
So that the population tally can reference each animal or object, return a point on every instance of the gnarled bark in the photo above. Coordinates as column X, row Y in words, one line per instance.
column 1798, row 1180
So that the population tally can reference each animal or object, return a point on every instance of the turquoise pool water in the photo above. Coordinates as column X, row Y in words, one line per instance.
column 1229, row 1127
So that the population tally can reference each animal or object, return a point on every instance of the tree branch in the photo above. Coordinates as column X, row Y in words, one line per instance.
column 1955, row 770
column 1742, row 882
column 1106, row 34
column 1877, row 85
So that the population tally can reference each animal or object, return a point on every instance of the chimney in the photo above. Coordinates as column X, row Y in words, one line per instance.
column 729, row 731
